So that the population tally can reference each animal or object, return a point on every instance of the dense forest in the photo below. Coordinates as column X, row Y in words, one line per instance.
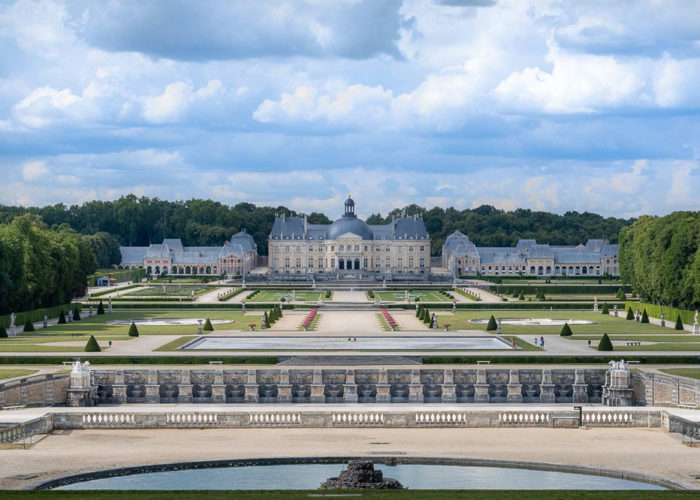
column 41, row 267
column 140, row 221
column 660, row 258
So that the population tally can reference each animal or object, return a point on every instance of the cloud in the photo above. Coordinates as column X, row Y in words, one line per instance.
column 33, row 170
column 175, row 100
column 182, row 30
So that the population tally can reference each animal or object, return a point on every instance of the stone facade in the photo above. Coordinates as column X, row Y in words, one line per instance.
column 41, row 390
column 348, row 245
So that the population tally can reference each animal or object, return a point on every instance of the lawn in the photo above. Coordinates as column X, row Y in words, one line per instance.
column 576, row 296
column 400, row 296
column 604, row 323
column 276, row 296
column 170, row 291
column 641, row 338
column 15, row 372
column 674, row 346
column 683, row 372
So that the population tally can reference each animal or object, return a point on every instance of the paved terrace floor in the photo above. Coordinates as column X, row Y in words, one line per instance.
column 639, row 450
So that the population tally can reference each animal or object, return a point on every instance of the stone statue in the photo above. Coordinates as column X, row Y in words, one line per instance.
column 595, row 304
column 90, row 312
column 615, row 310
column 69, row 316
column 454, row 306
column 46, row 321
column 109, row 305
column 12, row 320
column 695, row 318
column 199, row 328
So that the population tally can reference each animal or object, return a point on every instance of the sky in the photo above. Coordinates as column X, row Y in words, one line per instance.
column 543, row 104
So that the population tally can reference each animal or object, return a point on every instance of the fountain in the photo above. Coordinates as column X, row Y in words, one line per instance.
column 361, row 474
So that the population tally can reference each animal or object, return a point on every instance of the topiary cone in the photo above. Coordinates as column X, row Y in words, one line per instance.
column 605, row 344
column 208, row 327
column 100, row 308
column 133, row 331
column 76, row 314
column 492, row 325
column 566, row 330
column 606, row 309
column 62, row 318
column 645, row 317
column 92, row 345
column 3, row 332
column 29, row 326
column 679, row 323
column 630, row 313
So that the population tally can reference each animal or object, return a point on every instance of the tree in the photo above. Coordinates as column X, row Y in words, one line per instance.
column 606, row 309
column 61, row 318
column 419, row 311
column 566, row 330
column 3, row 332
column 521, row 296
column 208, row 327
column 29, row 326
column 133, row 331
column 621, row 294
column 100, row 308
column 630, row 313
column 266, row 319
column 492, row 324
column 92, row 345
column 605, row 343
column 679, row 323
column 645, row 317
column 76, row 314
column 426, row 316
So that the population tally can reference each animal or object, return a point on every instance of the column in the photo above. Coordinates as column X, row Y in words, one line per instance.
column 481, row 388
column 119, row 387
column 152, row 387
column 580, row 387
column 185, row 387
column 515, row 388
column 350, row 387
column 317, row 388
column 284, row 388
column 449, row 395
column 383, row 387
column 547, row 387
column 415, row 389
column 251, row 387
column 218, row 388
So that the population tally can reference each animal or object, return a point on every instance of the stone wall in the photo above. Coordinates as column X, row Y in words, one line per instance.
column 41, row 390
column 658, row 389
column 405, row 385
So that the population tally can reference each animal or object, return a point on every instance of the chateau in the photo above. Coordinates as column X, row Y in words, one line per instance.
column 351, row 246
column 461, row 257
column 348, row 244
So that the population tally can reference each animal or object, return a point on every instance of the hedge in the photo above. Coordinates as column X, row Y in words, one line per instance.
column 466, row 294
column 556, row 360
column 232, row 293
column 36, row 315
column 112, row 289
column 140, row 360
column 564, row 289
column 671, row 313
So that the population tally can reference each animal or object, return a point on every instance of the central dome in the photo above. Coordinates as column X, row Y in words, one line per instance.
column 349, row 223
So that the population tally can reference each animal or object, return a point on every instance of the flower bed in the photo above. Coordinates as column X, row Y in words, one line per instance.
column 389, row 319
column 309, row 320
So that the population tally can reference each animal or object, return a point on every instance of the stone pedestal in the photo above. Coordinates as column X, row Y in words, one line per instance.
column 547, row 387
column 350, row 387
column 696, row 329
column 152, row 393
column 383, row 393
column 481, row 388
column 284, row 393
column 617, row 390
column 184, row 393
column 218, row 393
column 119, row 387
column 580, row 388
column 449, row 394
column 251, row 393
column 515, row 388
column 415, row 393
column 317, row 393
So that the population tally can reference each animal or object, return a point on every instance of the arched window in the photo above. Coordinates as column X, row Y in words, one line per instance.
column 549, row 270
column 540, row 271
column 532, row 270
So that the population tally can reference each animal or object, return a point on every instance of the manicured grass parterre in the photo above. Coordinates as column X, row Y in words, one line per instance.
column 604, row 323
column 400, row 296
column 170, row 290
column 6, row 373
column 683, row 372
column 276, row 296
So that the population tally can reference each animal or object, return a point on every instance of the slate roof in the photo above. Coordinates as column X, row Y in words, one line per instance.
column 245, row 240
column 292, row 228
column 133, row 255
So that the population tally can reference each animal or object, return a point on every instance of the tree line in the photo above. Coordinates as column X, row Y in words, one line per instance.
column 41, row 267
column 134, row 221
column 660, row 258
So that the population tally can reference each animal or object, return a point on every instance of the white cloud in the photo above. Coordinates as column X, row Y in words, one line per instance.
column 33, row 170
column 175, row 100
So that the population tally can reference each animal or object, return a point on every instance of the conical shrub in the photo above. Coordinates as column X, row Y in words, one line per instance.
column 133, row 331
column 266, row 318
column 426, row 316
column 605, row 344
column 92, row 345
column 29, row 326
column 679, row 323
column 606, row 309
column 492, row 325
column 419, row 311
column 630, row 313
column 566, row 330
column 100, row 308
column 521, row 296
column 62, row 318
column 645, row 317
column 3, row 332
column 76, row 314
column 208, row 327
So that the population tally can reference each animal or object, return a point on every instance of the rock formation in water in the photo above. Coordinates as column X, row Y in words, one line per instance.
column 361, row 475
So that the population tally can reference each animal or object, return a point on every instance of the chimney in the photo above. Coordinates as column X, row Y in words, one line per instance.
column 284, row 216
column 306, row 221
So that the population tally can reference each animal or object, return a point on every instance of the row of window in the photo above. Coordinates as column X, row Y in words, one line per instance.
column 321, row 263
column 342, row 248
